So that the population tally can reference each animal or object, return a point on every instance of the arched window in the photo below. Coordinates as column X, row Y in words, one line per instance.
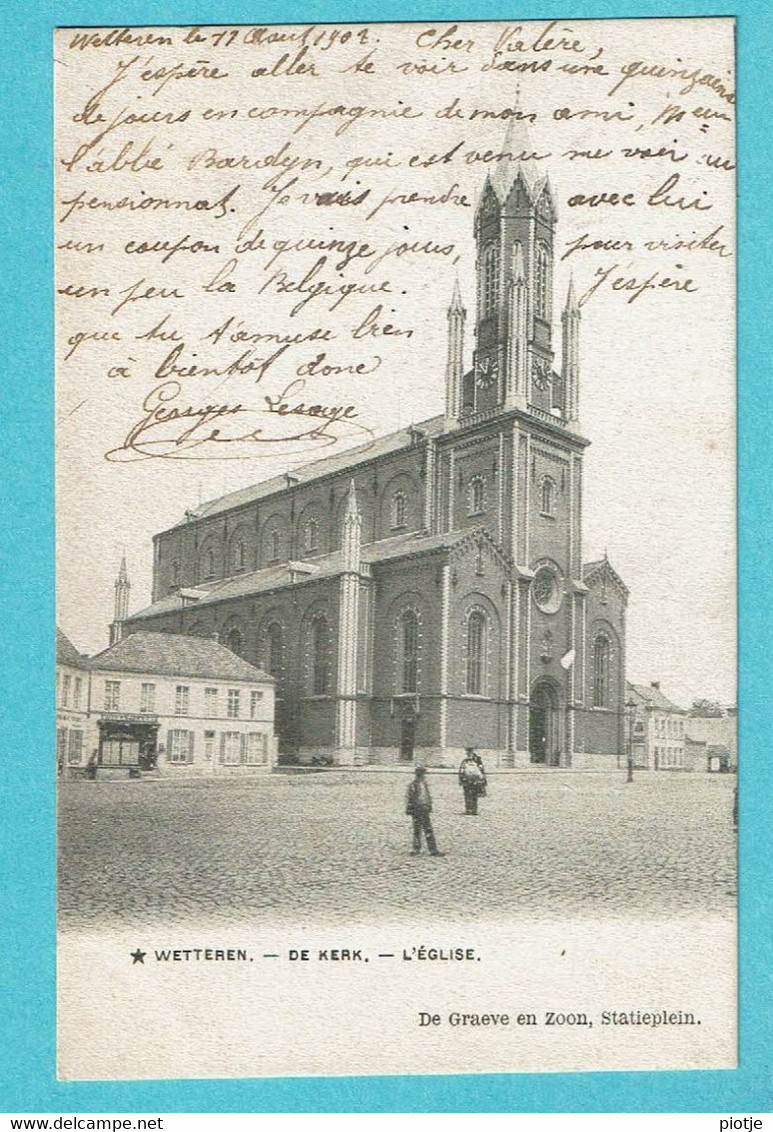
column 235, row 641
column 274, row 546
column 490, row 281
column 548, row 496
column 175, row 573
column 320, row 662
column 409, row 625
column 398, row 510
column 311, row 536
column 476, row 653
column 601, row 671
column 238, row 555
column 210, row 571
column 476, row 496
column 274, row 648
column 542, row 281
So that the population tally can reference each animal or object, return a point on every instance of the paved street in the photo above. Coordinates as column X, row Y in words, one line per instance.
column 333, row 847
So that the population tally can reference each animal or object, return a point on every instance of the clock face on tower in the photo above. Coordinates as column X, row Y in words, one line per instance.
column 486, row 370
column 541, row 376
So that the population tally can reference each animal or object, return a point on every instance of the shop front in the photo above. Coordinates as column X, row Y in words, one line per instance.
column 127, row 742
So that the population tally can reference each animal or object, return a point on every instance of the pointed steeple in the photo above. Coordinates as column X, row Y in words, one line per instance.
column 570, row 354
column 571, row 298
column 517, row 154
column 455, row 357
column 121, row 602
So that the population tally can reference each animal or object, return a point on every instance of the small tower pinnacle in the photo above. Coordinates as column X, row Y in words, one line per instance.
column 121, row 602
column 455, row 357
column 352, row 533
column 570, row 353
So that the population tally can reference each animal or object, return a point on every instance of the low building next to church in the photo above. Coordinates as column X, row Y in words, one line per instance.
column 712, row 739
column 72, row 704
column 173, row 705
column 658, row 729
column 427, row 591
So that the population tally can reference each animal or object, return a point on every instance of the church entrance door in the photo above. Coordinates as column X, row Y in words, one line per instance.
column 407, row 739
column 544, row 720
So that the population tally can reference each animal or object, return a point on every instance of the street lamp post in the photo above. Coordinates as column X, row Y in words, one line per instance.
column 631, row 708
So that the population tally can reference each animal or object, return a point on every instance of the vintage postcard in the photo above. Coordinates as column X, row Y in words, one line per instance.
column 396, row 666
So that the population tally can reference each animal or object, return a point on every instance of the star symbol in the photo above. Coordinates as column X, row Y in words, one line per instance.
column 138, row 956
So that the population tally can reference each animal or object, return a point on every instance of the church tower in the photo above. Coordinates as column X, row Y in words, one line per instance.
column 121, row 606
column 514, row 234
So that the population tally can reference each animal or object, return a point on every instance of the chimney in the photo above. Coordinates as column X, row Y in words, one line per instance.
column 655, row 684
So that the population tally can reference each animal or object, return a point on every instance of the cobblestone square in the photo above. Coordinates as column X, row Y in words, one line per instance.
column 333, row 847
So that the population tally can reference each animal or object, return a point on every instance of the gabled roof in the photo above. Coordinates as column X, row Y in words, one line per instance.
column 306, row 473
column 246, row 585
column 173, row 654
column 652, row 697
column 66, row 652
column 602, row 569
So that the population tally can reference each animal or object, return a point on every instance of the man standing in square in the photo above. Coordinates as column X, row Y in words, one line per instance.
column 418, row 804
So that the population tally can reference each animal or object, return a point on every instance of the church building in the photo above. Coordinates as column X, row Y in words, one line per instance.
column 427, row 591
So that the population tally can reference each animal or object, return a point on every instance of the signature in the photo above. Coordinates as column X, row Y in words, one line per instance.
column 169, row 429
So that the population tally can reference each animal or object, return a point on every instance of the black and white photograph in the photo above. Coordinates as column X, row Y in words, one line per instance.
column 396, row 723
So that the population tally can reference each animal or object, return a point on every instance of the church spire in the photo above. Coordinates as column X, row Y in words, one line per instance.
column 121, row 602
column 570, row 353
column 517, row 154
column 455, row 359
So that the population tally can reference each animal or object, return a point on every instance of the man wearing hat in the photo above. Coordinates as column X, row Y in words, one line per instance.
column 472, row 779
column 418, row 804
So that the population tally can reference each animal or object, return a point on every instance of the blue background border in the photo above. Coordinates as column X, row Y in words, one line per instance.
column 27, row 953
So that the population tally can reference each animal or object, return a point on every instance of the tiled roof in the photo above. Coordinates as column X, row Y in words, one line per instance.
column 173, row 654
column 412, row 543
column 324, row 566
column 653, row 697
column 305, row 473
column 66, row 652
